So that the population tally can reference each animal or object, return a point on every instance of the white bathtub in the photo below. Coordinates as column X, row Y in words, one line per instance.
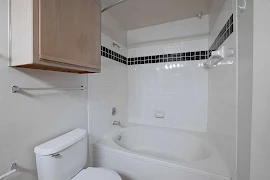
column 144, row 153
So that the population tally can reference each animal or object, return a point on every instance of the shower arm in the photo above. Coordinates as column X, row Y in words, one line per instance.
column 114, row 4
column 119, row 47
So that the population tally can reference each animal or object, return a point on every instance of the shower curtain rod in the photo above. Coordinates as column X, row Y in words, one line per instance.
column 114, row 4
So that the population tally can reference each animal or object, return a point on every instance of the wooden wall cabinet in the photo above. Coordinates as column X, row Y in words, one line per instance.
column 56, row 35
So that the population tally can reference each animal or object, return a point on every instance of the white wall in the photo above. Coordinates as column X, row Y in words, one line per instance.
column 222, row 90
column 177, row 88
column 193, row 28
column 28, row 119
column 106, row 90
column 112, row 28
column 260, row 144
column 245, row 78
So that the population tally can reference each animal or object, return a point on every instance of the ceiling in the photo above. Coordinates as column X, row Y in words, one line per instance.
column 134, row 14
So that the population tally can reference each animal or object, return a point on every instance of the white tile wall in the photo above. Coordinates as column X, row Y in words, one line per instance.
column 106, row 90
column 179, row 89
column 148, row 88
column 28, row 119
column 222, row 91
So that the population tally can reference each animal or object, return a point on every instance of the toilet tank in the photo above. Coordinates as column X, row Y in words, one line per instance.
column 63, row 157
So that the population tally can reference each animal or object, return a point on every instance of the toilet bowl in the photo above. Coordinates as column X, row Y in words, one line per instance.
column 65, row 157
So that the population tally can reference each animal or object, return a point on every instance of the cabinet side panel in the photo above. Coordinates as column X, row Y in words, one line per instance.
column 35, row 31
column 96, row 58
column 21, row 32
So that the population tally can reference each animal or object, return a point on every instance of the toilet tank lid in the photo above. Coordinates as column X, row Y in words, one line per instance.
column 60, row 143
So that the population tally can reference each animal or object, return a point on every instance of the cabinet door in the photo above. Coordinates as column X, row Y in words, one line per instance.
column 69, row 32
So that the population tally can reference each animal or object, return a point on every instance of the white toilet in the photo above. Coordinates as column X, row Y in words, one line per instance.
column 64, row 158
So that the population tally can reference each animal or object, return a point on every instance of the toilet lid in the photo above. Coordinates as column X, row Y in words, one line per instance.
column 97, row 174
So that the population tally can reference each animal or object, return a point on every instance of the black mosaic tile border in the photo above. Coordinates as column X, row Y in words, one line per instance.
column 226, row 31
column 105, row 52
column 186, row 56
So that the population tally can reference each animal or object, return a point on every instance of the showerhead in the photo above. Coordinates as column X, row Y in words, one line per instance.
column 199, row 15
column 116, row 45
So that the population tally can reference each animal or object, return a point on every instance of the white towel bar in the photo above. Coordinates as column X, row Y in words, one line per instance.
column 13, row 169
column 16, row 89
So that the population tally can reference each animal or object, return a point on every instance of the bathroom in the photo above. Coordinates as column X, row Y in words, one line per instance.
column 176, row 89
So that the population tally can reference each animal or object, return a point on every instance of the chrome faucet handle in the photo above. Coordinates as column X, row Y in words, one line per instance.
column 114, row 111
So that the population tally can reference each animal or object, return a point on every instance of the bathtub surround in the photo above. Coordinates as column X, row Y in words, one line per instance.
column 119, row 84
column 222, row 84
column 178, row 89
column 28, row 119
column 167, row 76
column 108, row 89
column 148, row 87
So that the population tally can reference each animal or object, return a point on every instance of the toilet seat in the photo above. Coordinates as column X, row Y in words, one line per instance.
column 97, row 174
